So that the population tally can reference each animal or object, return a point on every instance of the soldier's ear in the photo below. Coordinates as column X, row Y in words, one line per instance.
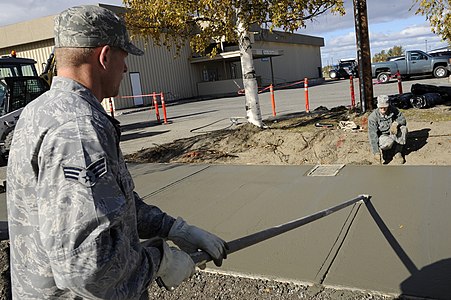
column 105, row 56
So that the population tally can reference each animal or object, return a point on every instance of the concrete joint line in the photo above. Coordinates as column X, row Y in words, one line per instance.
column 337, row 245
column 173, row 183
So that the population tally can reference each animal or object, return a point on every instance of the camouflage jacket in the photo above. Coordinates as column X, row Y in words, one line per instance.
column 379, row 124
column 75, row 222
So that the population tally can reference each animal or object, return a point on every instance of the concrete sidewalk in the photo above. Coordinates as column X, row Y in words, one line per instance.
column 397, row 243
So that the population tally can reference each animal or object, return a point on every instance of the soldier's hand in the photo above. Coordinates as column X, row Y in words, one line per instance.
column 191, row 238
column 175, row 267
column 394, row 128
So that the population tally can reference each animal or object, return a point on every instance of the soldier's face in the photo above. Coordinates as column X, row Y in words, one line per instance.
column 117, row 69
column 383, row 110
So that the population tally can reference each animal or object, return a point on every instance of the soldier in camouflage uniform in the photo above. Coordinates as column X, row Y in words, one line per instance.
column 75, row 222
column 387, row 132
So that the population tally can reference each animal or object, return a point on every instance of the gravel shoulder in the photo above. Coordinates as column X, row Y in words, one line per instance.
column 212, row 285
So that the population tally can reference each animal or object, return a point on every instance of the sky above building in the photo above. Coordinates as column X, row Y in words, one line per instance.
column 391, row 23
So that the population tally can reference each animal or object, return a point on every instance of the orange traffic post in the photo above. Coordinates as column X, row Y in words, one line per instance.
column 111, row 107
column 398, row 76
column 163, row 106
column 307, row 106
column 273, row 102
column 351, row 81
column 155, row 103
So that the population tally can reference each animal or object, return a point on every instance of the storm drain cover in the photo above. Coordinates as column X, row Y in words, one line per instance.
column 325, row 170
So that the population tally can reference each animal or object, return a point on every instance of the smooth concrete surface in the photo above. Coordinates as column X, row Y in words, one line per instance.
column 396, row 243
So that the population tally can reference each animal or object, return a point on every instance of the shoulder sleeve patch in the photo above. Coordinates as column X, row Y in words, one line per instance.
column 86, row 176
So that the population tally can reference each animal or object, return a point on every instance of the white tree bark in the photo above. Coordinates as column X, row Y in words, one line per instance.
column 253, row 113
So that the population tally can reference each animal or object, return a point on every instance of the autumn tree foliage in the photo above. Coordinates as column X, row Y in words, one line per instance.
column 385, row 55
column 206, row 22
column 438, row 13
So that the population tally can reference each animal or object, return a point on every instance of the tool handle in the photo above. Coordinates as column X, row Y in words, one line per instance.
column 202, row 257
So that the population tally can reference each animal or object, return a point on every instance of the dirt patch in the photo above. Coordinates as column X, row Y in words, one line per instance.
column 336, row 136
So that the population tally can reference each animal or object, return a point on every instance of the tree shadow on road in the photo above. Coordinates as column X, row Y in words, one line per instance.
column 138, row 135
column 139, row 125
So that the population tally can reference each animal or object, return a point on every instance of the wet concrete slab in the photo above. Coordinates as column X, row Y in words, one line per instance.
column 396, row 243
column 400, row 241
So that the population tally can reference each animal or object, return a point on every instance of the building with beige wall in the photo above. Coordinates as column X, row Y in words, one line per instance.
column 279, row 58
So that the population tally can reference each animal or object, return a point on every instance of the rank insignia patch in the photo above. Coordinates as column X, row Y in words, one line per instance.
column 86, row 176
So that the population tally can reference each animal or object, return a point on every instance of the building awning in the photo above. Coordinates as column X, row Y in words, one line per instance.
column 235, row 55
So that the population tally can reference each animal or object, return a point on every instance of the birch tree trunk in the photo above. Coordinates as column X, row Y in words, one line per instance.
column 253, row 113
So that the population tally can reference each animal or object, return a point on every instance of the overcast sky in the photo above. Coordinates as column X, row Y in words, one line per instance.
column 390, row 23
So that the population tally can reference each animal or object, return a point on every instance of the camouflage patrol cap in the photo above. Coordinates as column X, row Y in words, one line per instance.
column 91, row 26
column 382, row 101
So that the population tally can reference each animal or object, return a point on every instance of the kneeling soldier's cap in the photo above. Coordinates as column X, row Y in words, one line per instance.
column 382, row 101
column 91, row 26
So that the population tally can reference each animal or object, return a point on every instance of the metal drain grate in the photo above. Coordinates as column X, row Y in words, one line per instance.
column 325, row 170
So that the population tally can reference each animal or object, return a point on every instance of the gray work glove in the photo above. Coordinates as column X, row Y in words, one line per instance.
column 191, row 239
column 175, row 267
column 394, row 128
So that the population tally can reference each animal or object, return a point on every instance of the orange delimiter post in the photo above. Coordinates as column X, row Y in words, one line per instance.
column 163, row 106
column 307, row 106
column 273, row 102
column 351, row 81
column 155, row 103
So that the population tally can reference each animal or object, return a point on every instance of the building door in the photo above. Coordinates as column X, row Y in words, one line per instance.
column 136, row 88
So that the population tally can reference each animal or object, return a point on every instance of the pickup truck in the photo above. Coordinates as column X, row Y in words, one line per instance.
column 414, row 62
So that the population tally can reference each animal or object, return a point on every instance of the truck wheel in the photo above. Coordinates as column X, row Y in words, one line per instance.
column 333, row 74
column 383, row 77
column 440, row 72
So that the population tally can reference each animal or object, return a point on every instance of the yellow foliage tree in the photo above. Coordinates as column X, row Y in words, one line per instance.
column 438, row 14
column 383, row 56
column 175, row 22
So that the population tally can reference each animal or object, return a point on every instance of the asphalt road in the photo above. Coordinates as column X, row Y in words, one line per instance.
column 140, row 129
column 185, row 119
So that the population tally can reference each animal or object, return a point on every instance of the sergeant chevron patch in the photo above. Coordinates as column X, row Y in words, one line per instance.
column 86, row 176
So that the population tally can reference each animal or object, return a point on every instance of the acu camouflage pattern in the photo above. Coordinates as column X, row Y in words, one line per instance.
column 92, row 26
column 379, row 124
column 71, row 240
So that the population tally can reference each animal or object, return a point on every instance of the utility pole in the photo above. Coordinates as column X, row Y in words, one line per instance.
column 363, row 55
